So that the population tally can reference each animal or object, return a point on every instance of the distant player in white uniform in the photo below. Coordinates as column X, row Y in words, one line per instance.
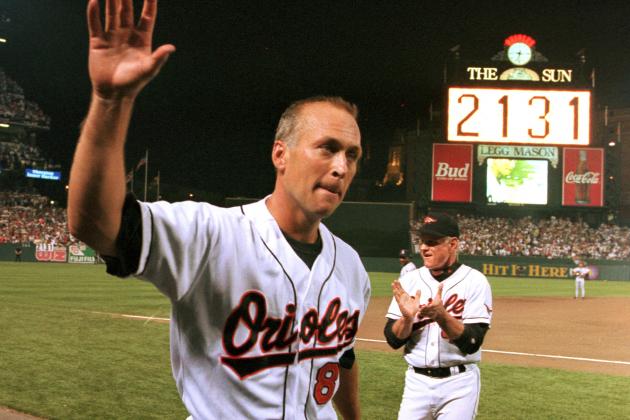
column 266, row 301
column 406, row 264
column 581, row 273
column 440, row 313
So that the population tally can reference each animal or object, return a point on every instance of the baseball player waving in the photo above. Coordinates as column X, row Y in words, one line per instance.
column 440, row 313
column 267, row 336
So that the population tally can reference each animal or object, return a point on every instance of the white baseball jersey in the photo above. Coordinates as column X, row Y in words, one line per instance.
column 466, row 295
column 254, row 332
column 409, row 267
column 580, row 273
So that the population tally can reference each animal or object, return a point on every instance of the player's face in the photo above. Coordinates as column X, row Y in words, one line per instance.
column 318, row 169
column 438, row 253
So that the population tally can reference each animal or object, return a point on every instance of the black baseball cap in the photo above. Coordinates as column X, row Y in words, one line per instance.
column 403, row 253
column 439, row 225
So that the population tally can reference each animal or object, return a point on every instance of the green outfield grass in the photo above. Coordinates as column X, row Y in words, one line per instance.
column 63, row 357
column 508, row 392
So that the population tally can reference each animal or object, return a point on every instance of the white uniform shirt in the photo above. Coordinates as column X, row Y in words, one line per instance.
column 580, row 273
column 466, row 295
column 409, row 267
column 254, row 332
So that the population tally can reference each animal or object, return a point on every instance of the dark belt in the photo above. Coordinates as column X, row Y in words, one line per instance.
column 440, row 372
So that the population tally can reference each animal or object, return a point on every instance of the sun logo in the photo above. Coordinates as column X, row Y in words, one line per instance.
column 428, row 220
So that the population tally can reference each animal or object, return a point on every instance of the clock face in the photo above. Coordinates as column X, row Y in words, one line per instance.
column 519, row 53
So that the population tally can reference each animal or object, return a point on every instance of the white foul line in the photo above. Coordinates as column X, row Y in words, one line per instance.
column 550, row 356
column 147, row 318
column 516, row 353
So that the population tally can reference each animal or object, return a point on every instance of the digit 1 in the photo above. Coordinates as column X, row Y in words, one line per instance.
column 575, row 104
column 504, row 102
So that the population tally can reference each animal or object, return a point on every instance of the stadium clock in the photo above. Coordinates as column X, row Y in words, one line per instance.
column 519, row 116
column 519, row 53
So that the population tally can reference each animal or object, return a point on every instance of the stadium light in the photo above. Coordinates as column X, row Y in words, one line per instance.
column 612, row 143
column 3, row 40
column 4, row 125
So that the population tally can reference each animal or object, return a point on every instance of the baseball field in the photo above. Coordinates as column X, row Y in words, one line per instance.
column 78, row 344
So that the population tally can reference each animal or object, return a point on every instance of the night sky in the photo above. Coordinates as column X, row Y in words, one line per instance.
column 209, row 117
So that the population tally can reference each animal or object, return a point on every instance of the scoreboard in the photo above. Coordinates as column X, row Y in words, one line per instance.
column 518, row 130
column 526, row 116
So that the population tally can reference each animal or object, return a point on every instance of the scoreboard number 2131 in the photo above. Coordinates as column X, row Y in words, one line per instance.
column 519, row 116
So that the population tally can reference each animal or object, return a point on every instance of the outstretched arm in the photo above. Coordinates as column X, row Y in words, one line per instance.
column 121, row 62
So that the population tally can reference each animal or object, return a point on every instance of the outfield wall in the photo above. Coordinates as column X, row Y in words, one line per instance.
column 490, row 266
column 519, row 267
column 74, row 254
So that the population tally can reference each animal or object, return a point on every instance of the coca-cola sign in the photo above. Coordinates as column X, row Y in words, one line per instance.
column 452, row 173
column 585, row 178
column 582, row 183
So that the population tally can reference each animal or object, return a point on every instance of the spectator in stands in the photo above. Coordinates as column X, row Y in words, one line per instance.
column 553, row 237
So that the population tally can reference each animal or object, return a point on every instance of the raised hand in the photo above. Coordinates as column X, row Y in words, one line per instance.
column 121, row 60
column 434, row 308
column 409, row 305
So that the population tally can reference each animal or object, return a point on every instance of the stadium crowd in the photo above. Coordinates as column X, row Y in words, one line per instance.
column 31, row 218
column 16, row 155
column 15, row 108
column 553, row 237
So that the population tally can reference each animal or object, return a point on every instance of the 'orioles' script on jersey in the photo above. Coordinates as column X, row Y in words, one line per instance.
column 278, row 334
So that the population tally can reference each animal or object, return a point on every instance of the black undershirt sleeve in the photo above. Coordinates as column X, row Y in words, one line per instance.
column 347, row 359
column 471, row 339
column 128, row 242
column 393, row 341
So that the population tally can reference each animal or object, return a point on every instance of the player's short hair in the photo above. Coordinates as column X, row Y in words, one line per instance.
column 289, row 124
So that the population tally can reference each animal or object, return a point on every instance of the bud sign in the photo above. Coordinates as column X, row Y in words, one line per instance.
column 452, row 173
column 583, row 173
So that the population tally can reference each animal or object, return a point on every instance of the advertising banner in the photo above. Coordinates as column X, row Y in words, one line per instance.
column 81, row 254
column 451, row 178
column 49, row 253
column 583, row 177
column 485, row 151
